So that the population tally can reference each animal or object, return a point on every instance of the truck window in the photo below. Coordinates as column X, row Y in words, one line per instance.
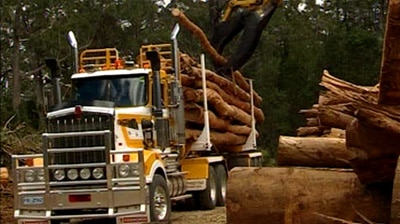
column 124, row 91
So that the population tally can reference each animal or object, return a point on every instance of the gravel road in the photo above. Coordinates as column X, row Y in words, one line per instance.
column 179, row 215
column 216, row 216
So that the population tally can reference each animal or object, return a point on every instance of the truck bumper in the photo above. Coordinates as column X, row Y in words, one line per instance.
column 124, row 205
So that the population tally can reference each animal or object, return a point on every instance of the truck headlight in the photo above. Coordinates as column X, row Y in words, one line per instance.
column 40, row 175
column 59, row 174
column 123, row 170
column 30, row 176
column 135, row 170
column 98, row 173
column 72, row 174
column 84, row 173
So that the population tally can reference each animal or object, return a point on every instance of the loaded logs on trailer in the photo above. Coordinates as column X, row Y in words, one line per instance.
column 229, row 101
column 229, row 106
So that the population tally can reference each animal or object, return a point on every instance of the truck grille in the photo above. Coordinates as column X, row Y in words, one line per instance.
column 69, row 124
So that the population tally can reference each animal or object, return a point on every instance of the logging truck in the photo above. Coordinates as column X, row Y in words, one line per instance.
column 117, row 148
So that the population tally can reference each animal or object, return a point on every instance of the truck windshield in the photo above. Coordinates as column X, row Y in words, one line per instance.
column 124, row 91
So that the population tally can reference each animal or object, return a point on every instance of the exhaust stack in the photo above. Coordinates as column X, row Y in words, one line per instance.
column 74, row 47
column 161, row 124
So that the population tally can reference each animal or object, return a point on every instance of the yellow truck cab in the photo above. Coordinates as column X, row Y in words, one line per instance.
column 117, row 148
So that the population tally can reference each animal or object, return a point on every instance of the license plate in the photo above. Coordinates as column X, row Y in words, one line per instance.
column 33, row 200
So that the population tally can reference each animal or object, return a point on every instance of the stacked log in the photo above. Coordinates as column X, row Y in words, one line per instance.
column 229, row 105
column 370, row 118
column 303, row 195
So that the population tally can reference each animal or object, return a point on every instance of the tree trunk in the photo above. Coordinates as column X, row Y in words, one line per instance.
column 390, row 71
column 313, row 152
column 376, row 152
column 16, row 79
column 300, row 195
column 199, row 34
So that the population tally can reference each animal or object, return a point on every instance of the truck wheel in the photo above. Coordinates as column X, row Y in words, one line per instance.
column 208, row 197
column 256, row 162
column 222, row 178
column 160, row 202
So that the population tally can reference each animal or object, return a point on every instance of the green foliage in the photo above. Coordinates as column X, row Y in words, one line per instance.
column 344, row 37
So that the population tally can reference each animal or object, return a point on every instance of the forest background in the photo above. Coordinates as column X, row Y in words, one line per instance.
column 303, row 38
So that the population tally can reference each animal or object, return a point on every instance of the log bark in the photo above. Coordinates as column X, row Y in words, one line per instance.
column 390, row 70
column 222, row 108
column 224, row 83
column 329, row 98
column 312, row 122
column 199, row 34
column 395, row 209
column 336, row 116
column 195, row 113
column 313, row 152
column 309, row 113
column 310, row 131
column 350, row 91
column 4, row 176
column 219, row 139
column 376, row 152
column 295, row 195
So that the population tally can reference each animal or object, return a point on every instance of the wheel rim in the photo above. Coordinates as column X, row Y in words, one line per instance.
column 213, row 189
column 160, row 203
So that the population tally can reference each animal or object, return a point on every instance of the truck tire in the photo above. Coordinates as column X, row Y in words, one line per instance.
column 256, row 162
column 160, row 201
column 222, row 178
column 208, row 197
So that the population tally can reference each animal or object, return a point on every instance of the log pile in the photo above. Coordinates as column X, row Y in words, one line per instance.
column 229, row 105
column 308, row 189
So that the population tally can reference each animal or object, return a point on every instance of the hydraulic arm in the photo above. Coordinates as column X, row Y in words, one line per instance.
column 249, row 16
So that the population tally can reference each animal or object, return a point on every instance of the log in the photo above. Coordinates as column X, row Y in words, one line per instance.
column 187, row 65
column 313, row 152
column 299, row 195
column 234, row 101
column 312, row 122
column 376, row 152
column 199, row 34
column 222, row 108
column 336, row 116
column 309, row 113
column 310, row 131
column 395, row 208
column 195, row 113
column 218, row 139
column 4, row 177
column 329, row 98
column 222, row 82
column 350, row 91
column 390, row 70
column 335, row 133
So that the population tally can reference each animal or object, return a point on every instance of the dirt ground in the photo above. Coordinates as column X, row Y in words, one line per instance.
column 179, row 215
